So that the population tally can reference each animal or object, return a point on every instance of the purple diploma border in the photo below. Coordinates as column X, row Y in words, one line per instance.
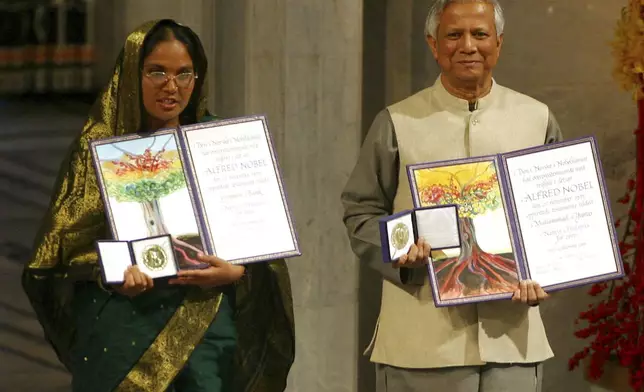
column 196, row 197
column 509, row 206
column 599, row 172
column 210, row 242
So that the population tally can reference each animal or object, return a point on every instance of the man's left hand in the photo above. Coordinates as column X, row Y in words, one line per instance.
column 219, row 273
column 529, row 293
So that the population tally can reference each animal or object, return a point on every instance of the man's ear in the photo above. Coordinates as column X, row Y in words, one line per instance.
column 431, row 42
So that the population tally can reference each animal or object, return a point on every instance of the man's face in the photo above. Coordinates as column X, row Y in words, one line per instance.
column 466, row 47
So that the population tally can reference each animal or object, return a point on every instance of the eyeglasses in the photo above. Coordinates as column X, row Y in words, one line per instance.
column 160, row 78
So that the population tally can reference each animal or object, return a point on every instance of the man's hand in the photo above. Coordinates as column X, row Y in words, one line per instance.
column 529, row 293
column 135, row 282
column 418, row 256
column 219, row 273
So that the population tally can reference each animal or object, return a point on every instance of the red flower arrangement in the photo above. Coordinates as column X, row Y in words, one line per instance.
column 616, row 323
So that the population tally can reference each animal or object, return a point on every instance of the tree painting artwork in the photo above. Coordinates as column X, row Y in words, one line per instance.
column 148, row 195
column 485, row 264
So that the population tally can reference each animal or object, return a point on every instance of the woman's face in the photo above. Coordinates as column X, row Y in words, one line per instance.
column 168, row 80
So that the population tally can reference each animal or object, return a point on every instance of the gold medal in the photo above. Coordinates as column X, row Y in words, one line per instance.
column 155, row 258
column 399, row 236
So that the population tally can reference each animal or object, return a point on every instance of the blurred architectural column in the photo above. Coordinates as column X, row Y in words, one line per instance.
column 301, row 64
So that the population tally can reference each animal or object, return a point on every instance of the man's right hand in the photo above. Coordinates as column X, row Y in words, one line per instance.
column 418, row 256
column 135, row 282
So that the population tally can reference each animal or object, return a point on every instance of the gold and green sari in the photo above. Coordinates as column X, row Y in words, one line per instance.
column 238, row 338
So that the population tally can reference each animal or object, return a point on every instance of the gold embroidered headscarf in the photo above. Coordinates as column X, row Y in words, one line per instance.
column 64, row 250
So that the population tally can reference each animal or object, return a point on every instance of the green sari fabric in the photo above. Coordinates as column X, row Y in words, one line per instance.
column 113, row 331
column 135, row 344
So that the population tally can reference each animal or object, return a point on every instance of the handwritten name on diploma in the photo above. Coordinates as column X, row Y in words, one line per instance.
column 557, row 192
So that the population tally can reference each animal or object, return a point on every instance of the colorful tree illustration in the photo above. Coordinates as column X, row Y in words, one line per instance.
column 146, row 178
column 475, row 189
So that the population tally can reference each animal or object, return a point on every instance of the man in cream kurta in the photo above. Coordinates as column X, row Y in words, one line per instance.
column 494, row 346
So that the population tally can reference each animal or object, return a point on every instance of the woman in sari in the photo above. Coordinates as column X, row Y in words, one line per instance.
column 223, row 328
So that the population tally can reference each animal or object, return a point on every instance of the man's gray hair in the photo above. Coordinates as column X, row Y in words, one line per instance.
column 434, row 15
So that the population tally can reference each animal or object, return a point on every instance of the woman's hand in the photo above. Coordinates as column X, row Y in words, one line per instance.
column 135, row 282
column 219, row 273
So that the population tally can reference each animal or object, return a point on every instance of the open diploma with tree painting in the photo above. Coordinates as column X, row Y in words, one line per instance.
column 212, row 187
column 541, row 213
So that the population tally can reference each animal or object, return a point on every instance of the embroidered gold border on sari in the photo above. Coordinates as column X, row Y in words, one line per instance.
column 169, row 352
column 64, row 254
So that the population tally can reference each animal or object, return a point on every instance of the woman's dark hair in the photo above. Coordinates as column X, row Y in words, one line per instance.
column 167, row 30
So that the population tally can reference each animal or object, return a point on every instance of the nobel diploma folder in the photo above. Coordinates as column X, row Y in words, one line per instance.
column 213, row 187
column 541, row 213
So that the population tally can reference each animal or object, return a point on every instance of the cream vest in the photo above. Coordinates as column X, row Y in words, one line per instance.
column 433, row 125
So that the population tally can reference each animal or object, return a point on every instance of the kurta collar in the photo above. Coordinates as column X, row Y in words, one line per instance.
column 451, row 102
